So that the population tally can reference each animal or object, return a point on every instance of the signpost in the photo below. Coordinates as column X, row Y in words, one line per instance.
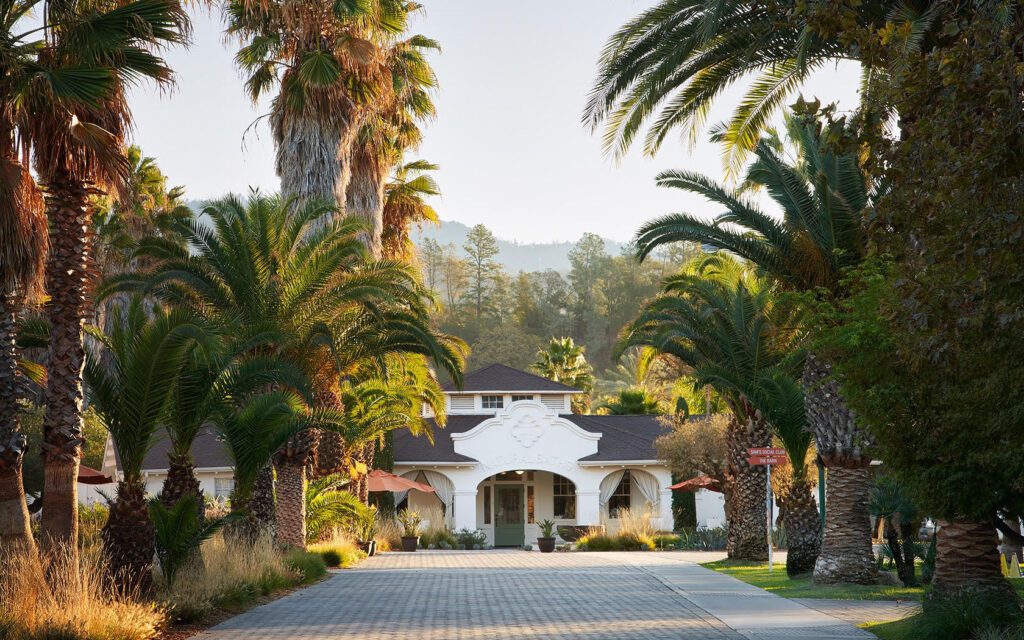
column 767, row 456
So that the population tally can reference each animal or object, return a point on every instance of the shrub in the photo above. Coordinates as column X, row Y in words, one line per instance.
column 73, row 605
column 668, row 541
column 636, row 523
column 331, row 557
column 227, row 574
column 91, row 520
column 961, row 617
column 309, row 565
column 339, row 551
column 410, row 521
column 595, row 540
column 471, row 538
column 633, row 541
column 389, row 534
column 180, row 533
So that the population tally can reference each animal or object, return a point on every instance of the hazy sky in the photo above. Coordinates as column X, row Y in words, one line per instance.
column 513, row 154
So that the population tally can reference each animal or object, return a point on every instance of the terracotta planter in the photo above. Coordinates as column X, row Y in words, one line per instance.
column 410, row 543
column 546, row 545
column 369, row 547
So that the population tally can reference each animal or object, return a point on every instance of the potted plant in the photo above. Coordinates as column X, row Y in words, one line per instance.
column 367, row 531
column 410, row 521
column 546, row 543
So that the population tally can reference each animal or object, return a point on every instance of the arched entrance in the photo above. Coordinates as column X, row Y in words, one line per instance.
column 512, row 504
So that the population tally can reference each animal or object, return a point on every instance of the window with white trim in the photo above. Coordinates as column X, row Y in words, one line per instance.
column 493, row 402
column 516, row 398
column 620, row 499
column 565, row 497
column 222, row 488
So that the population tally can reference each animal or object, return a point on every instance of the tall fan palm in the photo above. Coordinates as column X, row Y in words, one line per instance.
column 405, row 205
column 718, row 319
column 129, row 393
column 75, row 138
column 328, row 64
column 387, row 132
column 822, row 195
column 265, row 266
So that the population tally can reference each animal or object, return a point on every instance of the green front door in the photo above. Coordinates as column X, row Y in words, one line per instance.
column 508, row 516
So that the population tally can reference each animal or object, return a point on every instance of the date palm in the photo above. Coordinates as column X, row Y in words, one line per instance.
column 565, row 361
column 75, row 138
column 264, row 266
column 327, row 63
column 719, row 320
column 129, row 392
column 822, row 195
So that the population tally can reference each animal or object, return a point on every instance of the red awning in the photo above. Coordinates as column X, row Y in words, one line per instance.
column 700, row 482
column 92, row 476
column 380, row 480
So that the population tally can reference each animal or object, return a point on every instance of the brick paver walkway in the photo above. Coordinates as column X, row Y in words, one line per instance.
column 451, row 595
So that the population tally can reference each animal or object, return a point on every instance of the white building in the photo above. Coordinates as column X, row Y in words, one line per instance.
column 512, row 454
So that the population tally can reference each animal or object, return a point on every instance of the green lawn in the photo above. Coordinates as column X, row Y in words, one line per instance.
column 778, row 583
column 896, row 630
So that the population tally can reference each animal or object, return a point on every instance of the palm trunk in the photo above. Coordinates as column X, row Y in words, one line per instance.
column 803, row 528
column 129, row 540
column 748, row 526
column 260, row 505
column 181, row 481
column 67, row 280
column 366, row 455
column 330, row 449
column 365, row 194
column 967, row 563
column 291, row 504
column 846, row 553
column 312, row 153
column 15, row 529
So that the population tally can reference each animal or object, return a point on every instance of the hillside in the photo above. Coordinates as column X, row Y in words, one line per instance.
column 515, row 256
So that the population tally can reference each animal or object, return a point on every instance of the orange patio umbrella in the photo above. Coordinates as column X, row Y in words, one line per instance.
column 700, row 482
column 92, row 476
column 380, row 480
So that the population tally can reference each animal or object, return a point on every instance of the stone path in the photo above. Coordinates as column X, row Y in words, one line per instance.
column 453, row 595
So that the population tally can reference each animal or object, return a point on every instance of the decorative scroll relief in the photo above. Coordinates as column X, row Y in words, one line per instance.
column 527, row 431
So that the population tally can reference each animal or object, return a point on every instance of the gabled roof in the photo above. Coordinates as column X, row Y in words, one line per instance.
column 208, row 451
column 623, row 438
column 502, row 378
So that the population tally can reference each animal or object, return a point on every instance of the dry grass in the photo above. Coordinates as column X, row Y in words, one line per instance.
column 389, row 534
column 73, row 605
column 637, row 523
column 229, row 573
column 434, row 530
column 338, row 550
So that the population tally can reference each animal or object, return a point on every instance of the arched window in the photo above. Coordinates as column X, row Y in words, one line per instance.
column 620, row 499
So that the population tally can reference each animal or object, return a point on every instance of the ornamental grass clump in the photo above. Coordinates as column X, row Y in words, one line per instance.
column 76, row 603
column 338, row 551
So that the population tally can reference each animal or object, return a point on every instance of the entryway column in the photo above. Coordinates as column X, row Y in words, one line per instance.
column 465, row 509
column 665, row 507
column 588, row 507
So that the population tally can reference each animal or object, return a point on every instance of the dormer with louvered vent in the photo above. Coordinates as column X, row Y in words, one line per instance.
column 494, row 388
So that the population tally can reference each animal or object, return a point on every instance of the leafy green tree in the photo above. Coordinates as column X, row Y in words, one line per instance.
column 631, row 402
column 483, row 270
column 566, row 362
column 588, row 261
column 823, row 194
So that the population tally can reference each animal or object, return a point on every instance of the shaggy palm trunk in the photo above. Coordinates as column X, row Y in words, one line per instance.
column 67, row 281
column 15, row 531
column 748, row 526
column 967, row 562
column 366, row 456
column 364, row 197
column 260, row 506
column 129, row 540
column 291, row 463
column 846, row 554
column 181, row 481
column 803, row 528
column 330, row 449
column 312, row 153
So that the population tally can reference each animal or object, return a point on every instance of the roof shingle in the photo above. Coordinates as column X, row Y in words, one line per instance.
column 498, row 377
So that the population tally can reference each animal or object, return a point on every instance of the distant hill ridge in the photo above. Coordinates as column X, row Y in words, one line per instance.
column 534, row 256
column 515, row 256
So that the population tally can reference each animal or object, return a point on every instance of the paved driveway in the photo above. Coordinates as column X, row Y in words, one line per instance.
column 457, row 595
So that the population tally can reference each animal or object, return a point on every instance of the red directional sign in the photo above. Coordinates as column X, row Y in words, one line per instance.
column 761, row 460
column 766, row 451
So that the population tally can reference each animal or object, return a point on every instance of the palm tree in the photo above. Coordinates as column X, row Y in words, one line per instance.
column 388, row 130
column 130, row 397
column 721, row 321
column 328, row 506
column 631, row 402
column 779, row 397
column 75, row 139
column 564, row 361
column 405, row 205
column 265, row 266
column 328, row 63
column 822, row 194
